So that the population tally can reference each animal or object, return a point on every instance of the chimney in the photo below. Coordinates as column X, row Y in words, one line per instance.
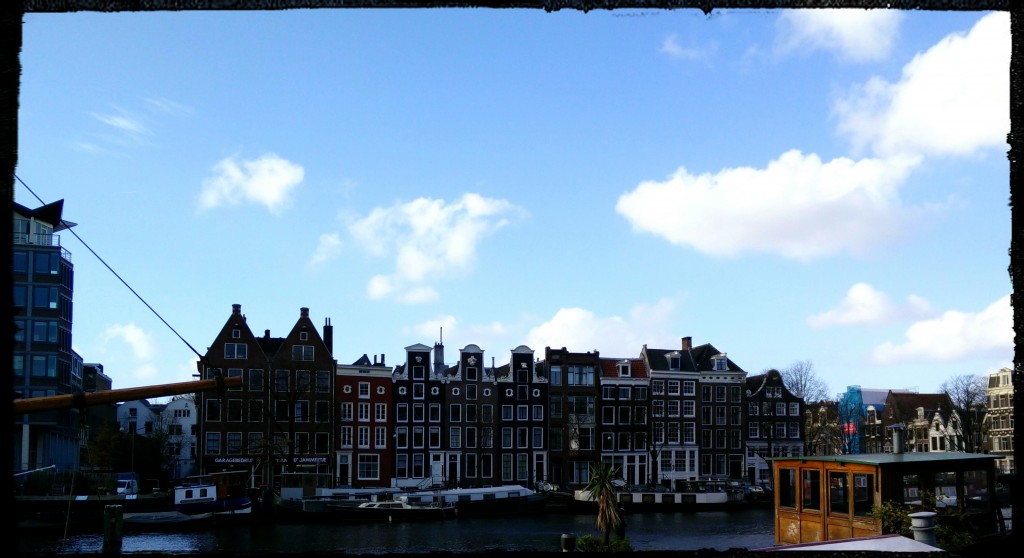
column 381, row 359
column 438, row 359
column 375, row 360
column 236, row 309
column 303, row 312
column 266, row 334
column 329, row 335
column 897, row 438
column 687, row 343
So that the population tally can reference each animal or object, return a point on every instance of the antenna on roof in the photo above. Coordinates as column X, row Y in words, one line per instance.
column 441, row 334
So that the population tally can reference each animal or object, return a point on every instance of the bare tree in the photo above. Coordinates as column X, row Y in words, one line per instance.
column 802, row 381
column 968, row 394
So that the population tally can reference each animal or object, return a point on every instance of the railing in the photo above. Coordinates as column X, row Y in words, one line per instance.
column 42, row 239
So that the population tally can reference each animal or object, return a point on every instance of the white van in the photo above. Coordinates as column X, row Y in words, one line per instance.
column 127, row 483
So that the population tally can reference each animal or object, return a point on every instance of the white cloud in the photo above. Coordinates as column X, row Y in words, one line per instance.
column 168, row 106
column 864, row 304
column 672, row 47
column 580, row 330
column 428, row 239
column 141, row 343
column 327, row 249
column 124, row 122
column 952, row 99
column 852, row 34
column 954, row 336
column 268, row 180
column 798, row 207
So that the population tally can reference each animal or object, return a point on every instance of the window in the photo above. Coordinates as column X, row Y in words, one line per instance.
column 380, row 412
column 506, row 412
column 625, row 393
column 234, row 443
column 689, row 408
column 538, row 437
column 556, row 375
column 281, row 380
column 689, row 388
column 235, row 410
column 364, row 412
column 236, row 350
column 363, row 436
column 673, row 408
column 811, row 495
column 417, row 412
column 364, row 390
column 380, row 437
column 302, row 381
column 402, row 437
column 418, row 391
column 506, row 437
column 301, row 411
column 322, row 442
column 455, row 413
column 673, row 387
column 607, row 414
column 658, row 387
column 368, row 466
column 256, row 410
column 538, row 412
column 435, row 437
column 236, row 333
column 689, row 433
column 471, row 390
column 838, row 493
column 213, row 443
column 580, row 376
column 323, row 381
column 323, row 412
column 302, row 352
column 435, row 412
column 346, row 412
column 794, row 409
column 455, row 437
column 212, row 410
column 623, row 369
column 522, row 412
column 255, row 379
column 608, row 392
column 254, row 442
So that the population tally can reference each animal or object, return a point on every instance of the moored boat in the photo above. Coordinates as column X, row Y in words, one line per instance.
column 482, row 501
column 200, row 501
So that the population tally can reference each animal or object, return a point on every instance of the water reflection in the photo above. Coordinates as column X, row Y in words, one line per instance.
column 647, row 532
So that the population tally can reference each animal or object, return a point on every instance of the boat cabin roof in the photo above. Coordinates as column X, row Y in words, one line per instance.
column 882, row 459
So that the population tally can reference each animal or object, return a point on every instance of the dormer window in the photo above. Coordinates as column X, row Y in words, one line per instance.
column 674, row 361
column 623, row 369
column 721, row 363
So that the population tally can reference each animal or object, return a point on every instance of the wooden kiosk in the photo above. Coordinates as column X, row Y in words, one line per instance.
column 828, row 498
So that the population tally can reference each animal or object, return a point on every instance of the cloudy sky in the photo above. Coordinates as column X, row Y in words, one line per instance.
column 827, row 186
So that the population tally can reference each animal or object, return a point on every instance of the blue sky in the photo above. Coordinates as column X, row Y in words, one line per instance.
column 820, row 185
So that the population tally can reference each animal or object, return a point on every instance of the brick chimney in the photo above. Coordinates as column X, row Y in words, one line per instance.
column 303, row 312
column 236, row 309
column 329, row 335
column 687, row 343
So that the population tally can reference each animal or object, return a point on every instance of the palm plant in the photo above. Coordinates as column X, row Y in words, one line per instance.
column 601, row 489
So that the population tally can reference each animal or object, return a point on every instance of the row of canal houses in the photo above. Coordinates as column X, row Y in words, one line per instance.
column 667, row 417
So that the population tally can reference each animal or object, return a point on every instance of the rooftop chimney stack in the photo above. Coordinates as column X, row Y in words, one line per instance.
column 687, row 343
column 303, row 312
column 236, row 309
column 329, row 335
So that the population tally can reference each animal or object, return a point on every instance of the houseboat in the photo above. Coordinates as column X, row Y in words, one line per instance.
column 831, row 498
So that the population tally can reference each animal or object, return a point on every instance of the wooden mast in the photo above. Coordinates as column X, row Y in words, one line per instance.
column 69, row 401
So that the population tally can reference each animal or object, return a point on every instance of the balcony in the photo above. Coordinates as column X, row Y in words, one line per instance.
column 42, row 239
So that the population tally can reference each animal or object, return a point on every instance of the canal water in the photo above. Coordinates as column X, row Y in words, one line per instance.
column 680, row 531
